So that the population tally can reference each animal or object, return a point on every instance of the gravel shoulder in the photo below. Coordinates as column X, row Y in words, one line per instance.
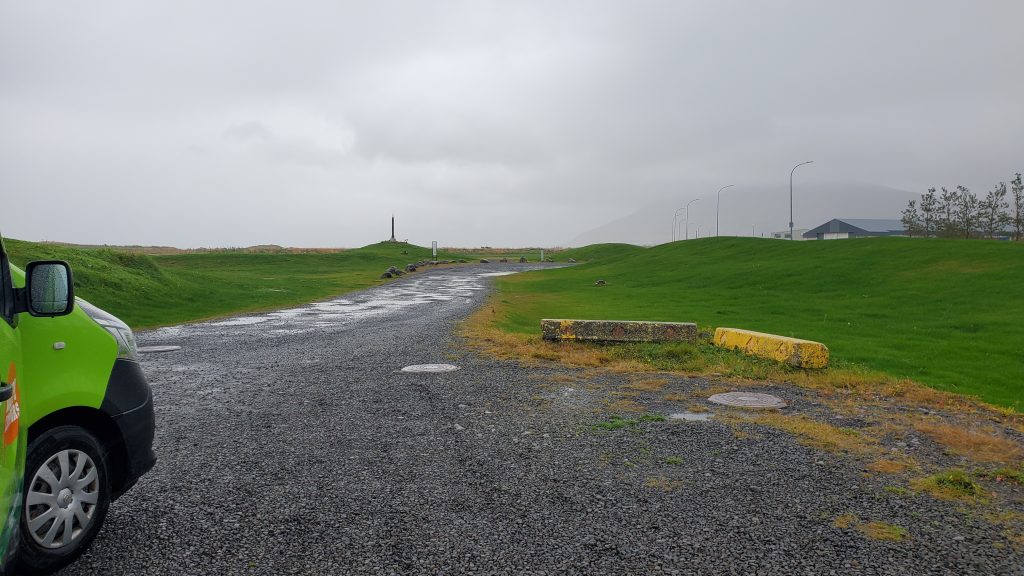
column 291, row 443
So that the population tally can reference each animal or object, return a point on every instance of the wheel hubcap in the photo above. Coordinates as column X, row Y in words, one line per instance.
column 61, row 499
column 65, row 498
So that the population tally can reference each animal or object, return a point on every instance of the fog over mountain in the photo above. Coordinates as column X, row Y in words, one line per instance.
column 747, row 211
column 308, row 123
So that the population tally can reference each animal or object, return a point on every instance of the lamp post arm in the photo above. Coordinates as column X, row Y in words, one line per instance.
column 791, row 197
column 674, row 223
column 718, row 205
column 688, row 217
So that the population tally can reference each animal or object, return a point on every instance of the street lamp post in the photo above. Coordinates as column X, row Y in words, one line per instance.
column 675, row 226
column 718, row 206
column 687, row 236
column 791, row 197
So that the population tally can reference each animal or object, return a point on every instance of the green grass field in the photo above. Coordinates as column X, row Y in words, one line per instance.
column 947, row 313
column 148, row 291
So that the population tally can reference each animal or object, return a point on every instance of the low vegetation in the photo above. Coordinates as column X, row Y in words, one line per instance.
column 889, row 466
column 950, row 485
column 647, row 384
column 883, row 531
column 820, row 435
column 875, row 530
column 982, row 446
column 844, row 521
column 1013, row 475
column 618, row 422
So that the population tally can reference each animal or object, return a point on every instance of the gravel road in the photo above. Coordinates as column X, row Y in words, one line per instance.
column 291, row 443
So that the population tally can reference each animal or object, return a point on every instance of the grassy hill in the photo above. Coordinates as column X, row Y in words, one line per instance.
column 147, row 291
column 600, row 252
column 947, row 313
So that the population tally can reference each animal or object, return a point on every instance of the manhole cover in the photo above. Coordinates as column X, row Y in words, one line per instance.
column 748, row 400
column 157, row 349
column 430, row 368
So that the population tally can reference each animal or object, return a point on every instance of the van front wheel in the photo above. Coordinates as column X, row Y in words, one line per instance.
column 67, row 493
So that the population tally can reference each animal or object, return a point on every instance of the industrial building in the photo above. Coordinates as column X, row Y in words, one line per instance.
column 798, row 233
column 839, row 228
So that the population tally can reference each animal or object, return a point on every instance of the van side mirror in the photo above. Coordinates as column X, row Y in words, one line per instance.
column 49, row 290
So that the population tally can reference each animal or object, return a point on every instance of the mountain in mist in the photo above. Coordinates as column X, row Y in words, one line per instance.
column 747, row 211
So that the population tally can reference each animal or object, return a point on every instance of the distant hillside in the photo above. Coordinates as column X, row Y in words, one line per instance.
column 746, row 211
column 599, row 252
column 160, row 250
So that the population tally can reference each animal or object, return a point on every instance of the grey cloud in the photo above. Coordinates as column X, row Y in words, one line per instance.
column 251, row 130
column 558, row 117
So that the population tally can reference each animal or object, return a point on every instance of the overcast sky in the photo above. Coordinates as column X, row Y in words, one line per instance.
column 202, row 123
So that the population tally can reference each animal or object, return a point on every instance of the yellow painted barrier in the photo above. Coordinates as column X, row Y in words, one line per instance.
column 792, row 351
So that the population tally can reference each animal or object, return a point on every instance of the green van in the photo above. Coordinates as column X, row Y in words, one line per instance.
column 12, row 447
column 79, row 413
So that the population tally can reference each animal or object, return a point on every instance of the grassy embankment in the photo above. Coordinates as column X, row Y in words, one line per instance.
column 945, row 313
column 147, row 291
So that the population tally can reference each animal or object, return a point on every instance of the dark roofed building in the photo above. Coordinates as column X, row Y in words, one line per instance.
column 855, row 228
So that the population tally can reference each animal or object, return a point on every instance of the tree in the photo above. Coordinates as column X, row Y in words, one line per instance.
column 1018, row 206
column 992, row 211
column 929, row 211
column 947, row 212
column 911, row 219
column 966, row 210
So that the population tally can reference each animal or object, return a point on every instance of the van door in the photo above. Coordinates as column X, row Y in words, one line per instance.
column 12, row 453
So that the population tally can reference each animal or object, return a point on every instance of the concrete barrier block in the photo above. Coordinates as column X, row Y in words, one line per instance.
column 618, row 331
column 792, row 351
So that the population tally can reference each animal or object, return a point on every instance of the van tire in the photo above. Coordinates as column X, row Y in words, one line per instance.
column 46, row 449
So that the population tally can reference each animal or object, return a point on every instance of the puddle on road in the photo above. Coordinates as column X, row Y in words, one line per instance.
column 156, row 349
column 424, row 291
column 168, row 331
column 246, row 321
column 692, row 416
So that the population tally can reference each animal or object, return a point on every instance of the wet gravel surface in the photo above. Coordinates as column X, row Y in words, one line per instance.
column 291, row 443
